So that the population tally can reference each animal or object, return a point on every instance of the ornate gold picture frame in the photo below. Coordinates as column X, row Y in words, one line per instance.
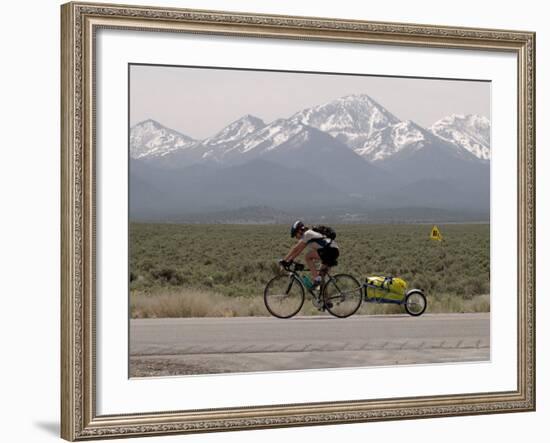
column 80, row 23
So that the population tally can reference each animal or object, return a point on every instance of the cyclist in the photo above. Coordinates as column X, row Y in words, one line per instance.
column 320, row 248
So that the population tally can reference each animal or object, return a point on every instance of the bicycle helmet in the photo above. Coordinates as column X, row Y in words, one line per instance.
column 296, row 226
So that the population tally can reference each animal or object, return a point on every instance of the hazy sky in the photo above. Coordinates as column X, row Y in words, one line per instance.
column 200, row 102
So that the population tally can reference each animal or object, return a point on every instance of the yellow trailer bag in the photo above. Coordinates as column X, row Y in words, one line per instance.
column 393, row 288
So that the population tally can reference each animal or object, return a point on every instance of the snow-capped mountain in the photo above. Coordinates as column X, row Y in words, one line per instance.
column 294, row 145
column 234, row 132
column 471, row 132
column 357, row 121
column 249, row 138
column 390, row 140
column 253, row 143
column 352, row 119
column 405, row 138
column 215, row 147
column 149, row 139
column 347, row 155
column 265, row 139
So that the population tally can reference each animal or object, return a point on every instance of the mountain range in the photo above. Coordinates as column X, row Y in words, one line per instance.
column 350, row 155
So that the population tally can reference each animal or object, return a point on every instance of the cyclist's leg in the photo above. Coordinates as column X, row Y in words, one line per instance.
column 311, row 258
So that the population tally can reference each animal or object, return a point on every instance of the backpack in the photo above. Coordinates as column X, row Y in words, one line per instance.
column 327, row 231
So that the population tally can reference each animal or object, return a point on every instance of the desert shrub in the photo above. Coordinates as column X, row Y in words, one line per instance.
column 167, row 275
column 237, row 260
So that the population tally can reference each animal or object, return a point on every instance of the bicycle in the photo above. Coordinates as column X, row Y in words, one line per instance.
column 284, row 295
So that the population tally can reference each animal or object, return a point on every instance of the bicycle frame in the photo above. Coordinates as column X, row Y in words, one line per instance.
column 297, row 276
column 314, row 294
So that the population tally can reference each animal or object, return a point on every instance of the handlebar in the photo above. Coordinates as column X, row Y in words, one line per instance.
column 292, row 266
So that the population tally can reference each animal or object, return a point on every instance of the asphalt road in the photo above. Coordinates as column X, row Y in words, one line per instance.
column 247, row 344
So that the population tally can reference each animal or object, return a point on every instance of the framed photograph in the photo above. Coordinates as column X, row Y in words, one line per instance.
column 277, row 221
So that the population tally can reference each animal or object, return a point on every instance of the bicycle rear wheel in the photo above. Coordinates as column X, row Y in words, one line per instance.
column 415, row 303
column 284, row 296
column 342, row 295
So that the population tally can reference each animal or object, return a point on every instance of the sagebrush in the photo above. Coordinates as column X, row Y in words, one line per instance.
column 237, row 260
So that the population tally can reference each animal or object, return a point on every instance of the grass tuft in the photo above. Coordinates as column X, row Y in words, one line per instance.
column 184, row 302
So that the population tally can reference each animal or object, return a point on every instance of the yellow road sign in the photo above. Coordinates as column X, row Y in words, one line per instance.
column 436, row 234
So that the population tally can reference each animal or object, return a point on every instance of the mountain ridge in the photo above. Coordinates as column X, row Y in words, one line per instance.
column 470, row 131
column 353, row 164
column 150, row 138
column 356, row 120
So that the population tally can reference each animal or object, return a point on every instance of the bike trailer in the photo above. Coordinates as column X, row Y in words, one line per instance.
column 389, row 288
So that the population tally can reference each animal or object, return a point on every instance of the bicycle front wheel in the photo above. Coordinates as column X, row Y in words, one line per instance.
column 284, row 296
column 342, row 295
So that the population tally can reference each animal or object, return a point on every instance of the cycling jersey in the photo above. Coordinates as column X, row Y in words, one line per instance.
column 315, row 240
